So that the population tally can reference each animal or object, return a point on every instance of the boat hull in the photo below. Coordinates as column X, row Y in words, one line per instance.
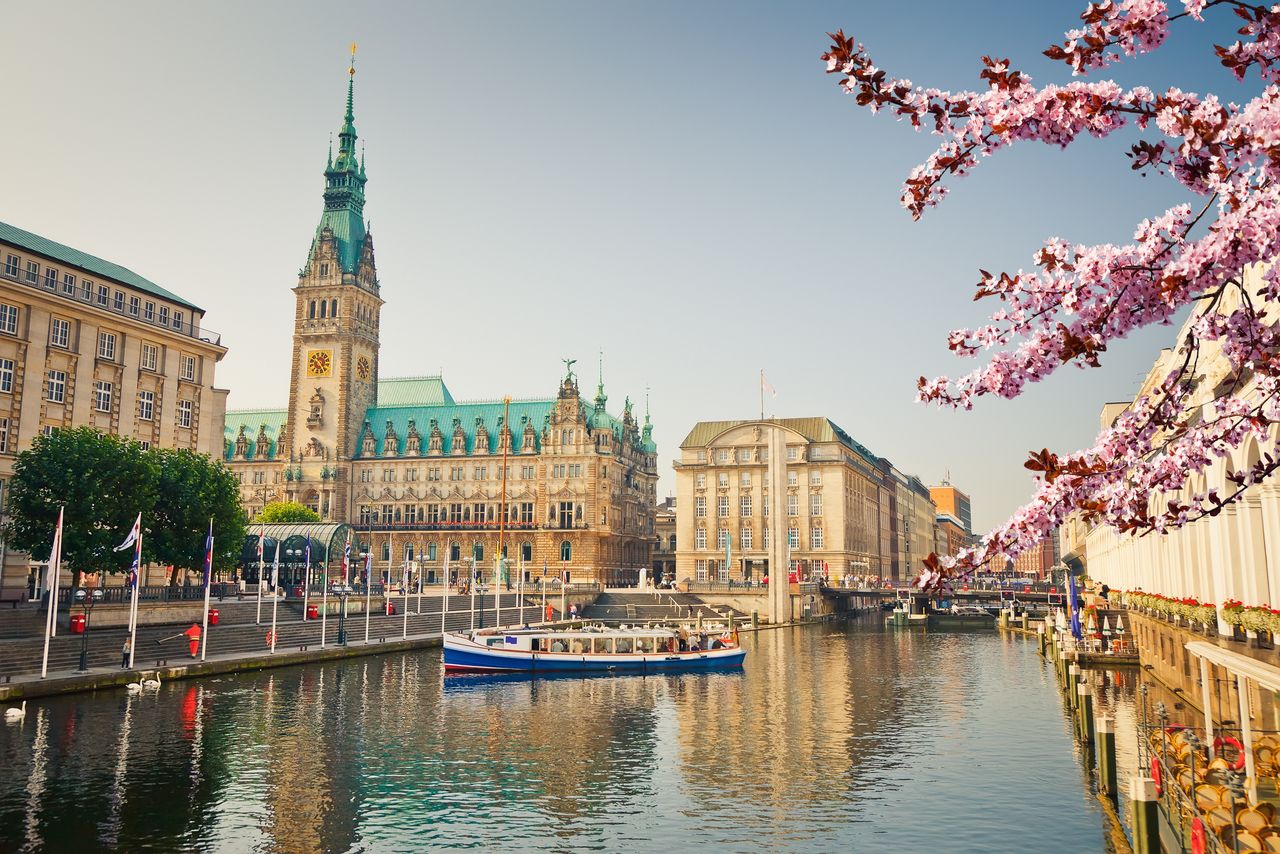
column 463, row 656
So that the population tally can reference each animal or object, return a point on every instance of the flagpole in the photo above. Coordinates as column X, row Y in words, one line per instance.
column 472, row 585
column 208, row 582
column 262, row 533
column 137, row 582
column 324, row 598
column 404, row 581
column 368, row 586
column 762, row 394
column 51, row 584
column 275, row 594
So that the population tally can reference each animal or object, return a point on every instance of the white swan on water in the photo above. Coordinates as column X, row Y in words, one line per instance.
column 133, row 687
column 151, row 683
column 16, row 713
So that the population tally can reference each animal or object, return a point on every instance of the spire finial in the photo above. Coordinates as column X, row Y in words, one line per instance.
column 600, row 395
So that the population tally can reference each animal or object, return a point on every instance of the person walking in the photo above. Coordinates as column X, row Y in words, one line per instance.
column 124, row 654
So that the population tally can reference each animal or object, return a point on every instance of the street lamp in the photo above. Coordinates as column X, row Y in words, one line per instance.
column 342, row 591
column 86, row 600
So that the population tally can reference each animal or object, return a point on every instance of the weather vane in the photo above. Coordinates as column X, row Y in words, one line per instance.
column 352, row 69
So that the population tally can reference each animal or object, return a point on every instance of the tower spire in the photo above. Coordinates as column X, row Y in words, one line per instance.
column 601, row 398
column 345, row 178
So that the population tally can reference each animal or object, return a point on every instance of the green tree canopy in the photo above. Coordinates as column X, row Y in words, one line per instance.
column 286, row 511
column 104, row 482
column 191, row 490
column 101, row 481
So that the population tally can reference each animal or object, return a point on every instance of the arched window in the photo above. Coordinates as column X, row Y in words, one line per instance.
column 333, row 308
column 455, row 551
column 566, row 551
column 477, row 551
column 386, row 550
column 311, row 311
column 431, row 551
column 526, row 552
column 323, row 306
column 673, row 542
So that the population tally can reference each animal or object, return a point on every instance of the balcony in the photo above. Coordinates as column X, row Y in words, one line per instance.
column 188, row 329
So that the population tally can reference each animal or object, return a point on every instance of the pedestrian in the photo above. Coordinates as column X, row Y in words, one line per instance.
column 193, row 639
column 124, row 654
column 240, row 588
column 573, row 611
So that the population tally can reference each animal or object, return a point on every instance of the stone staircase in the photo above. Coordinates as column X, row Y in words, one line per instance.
column 238, row 634
column 651, row 608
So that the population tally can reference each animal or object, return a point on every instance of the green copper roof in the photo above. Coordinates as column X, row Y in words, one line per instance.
column 253, row 421
column 344, row 180
column 468, row 416
column 413, row 391
column 86, row 262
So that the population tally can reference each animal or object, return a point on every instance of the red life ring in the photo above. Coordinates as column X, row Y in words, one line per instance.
column 1234, row 742
column 1157, row 776
column 271, row 637
column 1197, row 836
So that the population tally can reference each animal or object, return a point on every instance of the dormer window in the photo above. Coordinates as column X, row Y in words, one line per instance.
column 324, row 269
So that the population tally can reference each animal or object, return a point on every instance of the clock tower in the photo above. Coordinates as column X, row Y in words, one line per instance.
column 334, row 375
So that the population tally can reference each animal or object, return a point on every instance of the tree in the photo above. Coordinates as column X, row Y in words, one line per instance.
column 100, row 481
column 286, row 511
column 1078, row 298
column 191, row 490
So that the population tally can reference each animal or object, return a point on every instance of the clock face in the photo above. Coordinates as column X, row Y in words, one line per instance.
column 319, row 363
column 362, row 368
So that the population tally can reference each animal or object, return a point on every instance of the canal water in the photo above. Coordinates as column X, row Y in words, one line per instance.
column 833, row 738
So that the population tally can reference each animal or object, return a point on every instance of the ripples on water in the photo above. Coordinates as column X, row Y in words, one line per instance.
column 833, row 738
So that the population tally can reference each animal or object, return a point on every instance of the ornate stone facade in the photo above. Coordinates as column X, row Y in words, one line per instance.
column 419, row 474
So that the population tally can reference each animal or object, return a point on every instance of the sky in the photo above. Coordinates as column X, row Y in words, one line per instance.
column 676, row 184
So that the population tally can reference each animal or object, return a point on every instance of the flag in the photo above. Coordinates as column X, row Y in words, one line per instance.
column 134, row 533
column 55, row 556
column 262, row 536
column 728, row 551
column 346, row 561
column 208, row 556
column 1071, row 607
column 766, row 386
column 134, row 539
column 275, row 569
column 306, row 557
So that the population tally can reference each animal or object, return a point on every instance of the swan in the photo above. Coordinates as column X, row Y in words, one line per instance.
column 151, row 683
column 133, row 687
column 16, row 713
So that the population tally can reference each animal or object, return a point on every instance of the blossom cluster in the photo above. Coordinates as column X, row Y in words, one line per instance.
column 1077, row 299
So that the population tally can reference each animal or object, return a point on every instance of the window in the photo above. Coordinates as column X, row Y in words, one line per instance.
column 793, row 537
column 145, row 445
column 184, row 413
column 47, row 430
column 388, row 475
column 59, row 332
column 480, row 473
column 366, row 518
column 177, row 320
column 557, row 470
column 150, row 357
column 744, row 538
column 411, row 474
column 107, row 346
column 8, row 319
column 56, row 387
column 188, row 368
column 4, row 435
column 104, row 294
column 744, row 480
column 744, row 505
column 366, row 475
column 6, row 375
column 700, row 480
column 146, row 405
column 102, row 396
column 765, row 502
column 50, row 278
column 68, row 284
column 457, row 473
column 118, row 302
column 11, row 265
column 722, row 506
column 149, row 311
column 793, row 454
column 527, row 473
column 700, row 538
column 767, row 538
column 722, row 538
column 433, row 474
column 700, row 506
column 722, row 455
column 86, row 290
column 723, row 479
column 815, row 477
column 431, row 551
column 33, row 272
column 815, row 538
column 575, row 470
column 701, row 570
column 164, row 315
column 793, row 505
column 815, row 504
column 566, row 553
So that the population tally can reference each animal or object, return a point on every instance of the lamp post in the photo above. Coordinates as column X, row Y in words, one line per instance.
column 342, row 591
column 86, row 600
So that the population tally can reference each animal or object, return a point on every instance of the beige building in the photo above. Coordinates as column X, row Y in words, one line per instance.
column 84, row 341
column 1234, row 555
column 840, row 507
column 420, row 474
column 664, row 540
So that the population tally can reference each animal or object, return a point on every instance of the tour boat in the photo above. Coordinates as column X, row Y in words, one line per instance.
column 593, row 648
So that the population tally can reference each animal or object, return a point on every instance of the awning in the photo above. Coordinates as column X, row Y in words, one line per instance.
column 327, row 542
column 1240, row 665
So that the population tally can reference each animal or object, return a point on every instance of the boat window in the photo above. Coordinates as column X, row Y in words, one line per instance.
column 644, row 645
column 602, row 645
column 579, row 645
column 624, row 645
column 559, row 645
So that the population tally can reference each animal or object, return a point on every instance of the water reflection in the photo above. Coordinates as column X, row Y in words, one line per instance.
column 831, row 738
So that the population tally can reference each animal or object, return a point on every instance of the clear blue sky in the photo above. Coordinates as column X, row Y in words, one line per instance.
column 679, row 184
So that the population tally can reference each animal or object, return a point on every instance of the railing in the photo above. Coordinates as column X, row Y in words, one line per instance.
column 188, row 329
column 493, row 527
column 730, row 586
